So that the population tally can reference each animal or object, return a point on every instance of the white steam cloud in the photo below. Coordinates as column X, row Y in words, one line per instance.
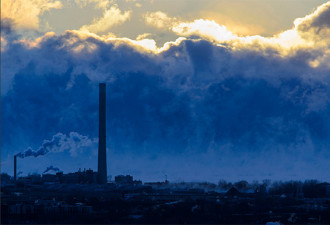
column 52, row 168
column 59, row 143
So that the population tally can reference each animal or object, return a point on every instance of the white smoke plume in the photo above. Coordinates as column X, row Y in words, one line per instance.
column 59, row 143
column 52, row 168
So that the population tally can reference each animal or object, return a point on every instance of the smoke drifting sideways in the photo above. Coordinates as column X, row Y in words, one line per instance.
column 59, row 143
column 52, row 168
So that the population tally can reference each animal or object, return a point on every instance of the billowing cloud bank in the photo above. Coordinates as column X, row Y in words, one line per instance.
column 218, row 106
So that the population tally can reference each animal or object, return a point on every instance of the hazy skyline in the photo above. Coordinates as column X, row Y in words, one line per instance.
column 196, row 89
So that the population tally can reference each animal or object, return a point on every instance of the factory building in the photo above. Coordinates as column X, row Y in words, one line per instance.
column 80, row 177
column 122, row 179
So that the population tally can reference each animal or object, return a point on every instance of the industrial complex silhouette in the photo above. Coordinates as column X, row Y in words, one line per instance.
column 87, row 197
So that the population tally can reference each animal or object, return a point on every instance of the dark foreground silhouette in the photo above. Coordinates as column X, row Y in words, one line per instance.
column 39, row 200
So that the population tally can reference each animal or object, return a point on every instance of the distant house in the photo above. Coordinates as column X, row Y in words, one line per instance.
column 316, row 190
column 324, row 189
column 5, row 179
column 328, row 190
column 232, row 192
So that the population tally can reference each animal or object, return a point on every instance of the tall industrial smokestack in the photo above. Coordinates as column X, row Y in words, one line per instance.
column 15, row 165
column 102, row 156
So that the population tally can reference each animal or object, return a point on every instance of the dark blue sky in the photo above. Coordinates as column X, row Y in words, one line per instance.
column 197, row 110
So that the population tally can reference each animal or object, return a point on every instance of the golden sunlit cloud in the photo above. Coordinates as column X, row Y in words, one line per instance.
column 98, row 3
column 143, row 36
column 3, row 44
column 233, row 25
column 160, row 20
column 142, row 43
column 204, row 28
column 36, row 43
column 111, row 17
column 311, row 31
column 25, row 14
column 315, row 25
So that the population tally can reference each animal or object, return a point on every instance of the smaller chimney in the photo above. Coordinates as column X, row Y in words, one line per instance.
column 15, row 165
